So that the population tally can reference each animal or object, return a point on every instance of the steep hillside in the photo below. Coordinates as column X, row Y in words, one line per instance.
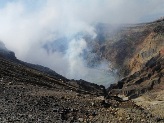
column 146, row 86
column 131, row 46
column 33, row 93
column 30, row 95
column 16, row 72
column 137, row 51
column 150, row 77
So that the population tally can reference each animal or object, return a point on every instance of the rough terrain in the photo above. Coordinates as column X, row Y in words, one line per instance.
column 144, row 87
column 36, row 94
column 27, row 95
column 129, row 47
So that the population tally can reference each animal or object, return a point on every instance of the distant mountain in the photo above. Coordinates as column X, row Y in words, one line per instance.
column 58, row 45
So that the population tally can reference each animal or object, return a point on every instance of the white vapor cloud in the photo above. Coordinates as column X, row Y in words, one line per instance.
column 25, row 26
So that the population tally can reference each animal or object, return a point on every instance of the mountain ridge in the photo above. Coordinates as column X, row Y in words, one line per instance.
column 33, row 93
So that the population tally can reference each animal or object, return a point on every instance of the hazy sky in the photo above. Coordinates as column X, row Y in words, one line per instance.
column 26, row 25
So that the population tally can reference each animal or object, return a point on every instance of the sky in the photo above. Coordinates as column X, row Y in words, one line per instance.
column 27, row 25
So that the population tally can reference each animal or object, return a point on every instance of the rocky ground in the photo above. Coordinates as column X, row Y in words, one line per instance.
column 153, row 102
column 149, row 78
column 145, row 87
column 27, row 95
column 35, row 94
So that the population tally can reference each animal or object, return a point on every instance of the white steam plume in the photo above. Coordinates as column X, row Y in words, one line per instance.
column 26, row 25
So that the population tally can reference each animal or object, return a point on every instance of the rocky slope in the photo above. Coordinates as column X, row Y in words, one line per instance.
column 5, row 52
column 145, row 87
column 28, row 95
column 137, row 52
column 148, row 78
column 33, row 93
column 130, row 46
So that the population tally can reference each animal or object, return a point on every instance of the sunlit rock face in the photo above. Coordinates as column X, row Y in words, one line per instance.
column 131, row 46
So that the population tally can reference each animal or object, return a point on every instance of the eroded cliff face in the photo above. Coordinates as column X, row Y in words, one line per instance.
column 150, row 47
column 148, row 78
column 32, row 93
column 29, row 95
column 145, row 87
column 144, row 64
column 131, row 46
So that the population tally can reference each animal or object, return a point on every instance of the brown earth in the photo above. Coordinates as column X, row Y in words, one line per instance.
column 28, row 95
column 131, row 46
column 32, row 93
column 145, row 87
